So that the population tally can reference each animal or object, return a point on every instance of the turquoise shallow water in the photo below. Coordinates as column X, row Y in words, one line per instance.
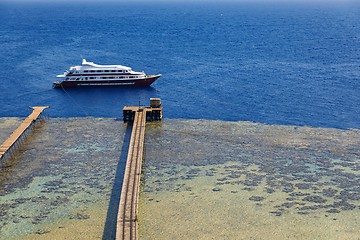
column 242, row 180
column 63, row 174
column 201, row 180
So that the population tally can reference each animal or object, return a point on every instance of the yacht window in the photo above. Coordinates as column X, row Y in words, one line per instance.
column 120, row 71
column 92, row 70
column 106, row 71
column 113, row 71
column 98, row 71
column 86, row 71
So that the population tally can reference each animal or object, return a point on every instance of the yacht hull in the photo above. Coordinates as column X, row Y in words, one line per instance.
column 145, row 82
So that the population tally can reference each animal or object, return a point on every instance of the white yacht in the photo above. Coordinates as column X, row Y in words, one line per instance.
column 90, row 74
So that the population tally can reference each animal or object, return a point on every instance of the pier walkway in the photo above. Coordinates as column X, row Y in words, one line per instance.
column 128, row 208
column 127, row 218
column 19, row 132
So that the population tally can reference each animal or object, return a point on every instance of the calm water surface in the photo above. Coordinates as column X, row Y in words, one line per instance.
column 281, row 67
column 293, row 64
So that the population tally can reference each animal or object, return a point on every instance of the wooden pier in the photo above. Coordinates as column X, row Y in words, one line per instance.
column 127, row 219
column 9, row 143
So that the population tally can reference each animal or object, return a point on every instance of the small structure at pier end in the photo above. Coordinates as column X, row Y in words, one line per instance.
column 127, row 218
column 153, row 113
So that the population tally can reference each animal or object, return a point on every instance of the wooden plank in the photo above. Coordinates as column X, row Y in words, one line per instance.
column 25, row 125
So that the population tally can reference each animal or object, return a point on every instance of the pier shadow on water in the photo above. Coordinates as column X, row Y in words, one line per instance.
column 111, row 217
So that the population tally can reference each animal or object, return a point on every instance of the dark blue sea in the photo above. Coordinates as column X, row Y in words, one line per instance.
column 284, row 63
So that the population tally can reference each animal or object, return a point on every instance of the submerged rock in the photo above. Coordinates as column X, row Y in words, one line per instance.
column 303, row 185
column 329, row 192
column 269, row 190
column 288, row 204
column 315, row 199
column 41, row 231
column 216, row 189
column 82, row 216
column 256, row 198
column 333, row 210
column 277, row 213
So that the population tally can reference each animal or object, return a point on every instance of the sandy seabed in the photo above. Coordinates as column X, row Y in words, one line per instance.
column 242, row 180
column 59, row 184
column 201, row 180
